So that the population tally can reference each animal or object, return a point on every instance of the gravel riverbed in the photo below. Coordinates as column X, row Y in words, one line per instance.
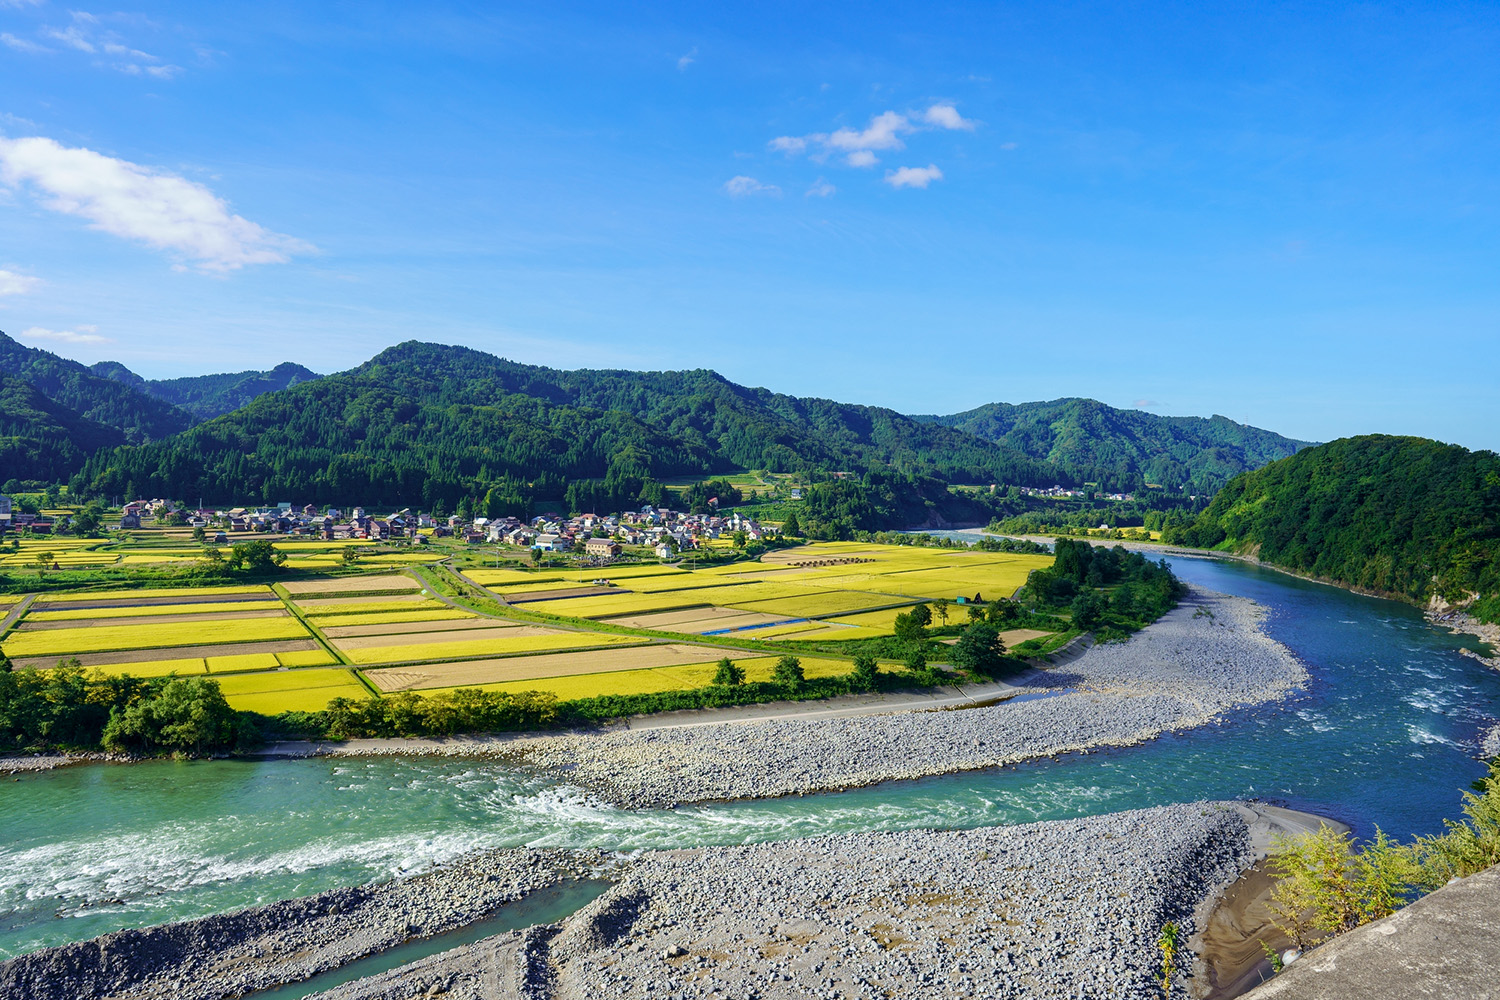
column 1061, row 909
column 231, row 954
column 1207, row 656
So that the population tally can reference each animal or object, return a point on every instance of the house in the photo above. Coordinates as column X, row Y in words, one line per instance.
column 130, row 521
column 549, row 542
column 664, row 551
column 219, row 537
column 602, row 548
column 4, row 505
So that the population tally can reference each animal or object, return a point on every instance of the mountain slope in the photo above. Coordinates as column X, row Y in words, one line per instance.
column 1125, row 448
column 423, row 421
column 42, row 440
column 209, row 396
column 139, row 416
column 1398, row 515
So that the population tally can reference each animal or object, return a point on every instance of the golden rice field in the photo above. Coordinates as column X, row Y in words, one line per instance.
column 659, row 679
column 373, row 608
column 814, row 605
column 272, row 692
column 498, row 645
column 424, row 627
column 104, row 638
column 140, row 610
column 469, row 673
column 507, row 577
column 148, row 593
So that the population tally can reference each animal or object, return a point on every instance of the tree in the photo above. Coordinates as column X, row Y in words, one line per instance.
column 1326, row 887
column 976, row 613
column 911, row 626
column 979, row 649
column 740, row 538
column 942, row 609
column 791, row 528
column 256, row 557
column 86, row 522
column 212, row 555
column 863, row 677
column 916, row 661
column 1002, row 611
column 350, row 555
column 199, row 534
column 1087, row 611
column 42, row 560
column 730, row 674
column 184, row 714
column 788, row 673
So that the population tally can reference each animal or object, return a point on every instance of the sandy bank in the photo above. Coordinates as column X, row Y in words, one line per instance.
column 1201, row 660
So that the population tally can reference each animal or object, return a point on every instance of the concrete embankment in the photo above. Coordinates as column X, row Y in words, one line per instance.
column 1445, row 946
column 1207, row 657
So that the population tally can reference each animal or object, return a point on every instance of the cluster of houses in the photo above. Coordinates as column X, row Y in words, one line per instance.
column 666, row 531
column 1062, row 491
column 14, row 520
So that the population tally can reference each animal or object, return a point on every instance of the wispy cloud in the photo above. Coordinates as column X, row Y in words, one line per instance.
column 21, row 44
column 12, row 283
column 821, row 189
column 687, row 60
column 138, row 203
column 88, row 35
column 915, row 177
column 743, row 187
column 884, row 132
column 82, row 335
column 1141, row 404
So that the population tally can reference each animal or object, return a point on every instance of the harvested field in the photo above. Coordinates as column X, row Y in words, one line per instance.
column 697, row 620
column 153, row 610
column 469, row 673
column 31, row 623
column 555, row 595
column 398, row 601
column 829, row 603
column 271, row 692
column 538, row 586
column 147, row 593
column 101, row 638
column 499, row 578
column 395, row 617
column 121, row 660
column 614, row 605
column 350, row 643
column 417, row 627
column 377, row 607
column 491, row 646
column 393, row 582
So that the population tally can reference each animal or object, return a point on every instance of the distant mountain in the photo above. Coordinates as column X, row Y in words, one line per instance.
column 138, row 416
column 209, row 396
column 43, row 440
column 420, row 422
column 1397, row 515
column 1125, row 448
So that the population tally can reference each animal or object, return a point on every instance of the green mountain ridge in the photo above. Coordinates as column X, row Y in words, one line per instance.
column 209, row 396
column 1404, row 516
column 1129, row 448
column 43, row 440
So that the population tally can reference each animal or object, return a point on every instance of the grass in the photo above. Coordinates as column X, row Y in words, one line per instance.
column 139, row 610
column 483, row 647
column 274, row 692
column 107, row 638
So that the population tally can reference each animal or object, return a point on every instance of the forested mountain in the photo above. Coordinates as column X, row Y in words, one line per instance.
column 138, row 416
column 209, row 396
column 1399, row 515
column 1125, row 449
column 421, row 421
column 43, row 440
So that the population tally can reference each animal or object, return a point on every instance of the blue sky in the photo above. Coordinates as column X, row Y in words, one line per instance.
column 1286, row 214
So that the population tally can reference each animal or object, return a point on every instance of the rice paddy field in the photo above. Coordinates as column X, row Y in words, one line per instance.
column 295, row 646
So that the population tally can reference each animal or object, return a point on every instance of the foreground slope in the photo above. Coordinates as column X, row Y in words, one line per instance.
column 1125, row 448
column 1396, row 515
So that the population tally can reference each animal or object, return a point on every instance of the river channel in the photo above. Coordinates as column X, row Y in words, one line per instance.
column 1386, row 736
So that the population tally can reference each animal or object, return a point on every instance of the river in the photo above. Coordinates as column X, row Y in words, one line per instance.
column 1385, row 737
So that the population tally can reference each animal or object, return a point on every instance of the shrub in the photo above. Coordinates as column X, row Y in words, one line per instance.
column 788, row 673
column 730, row 674
column 863, row 677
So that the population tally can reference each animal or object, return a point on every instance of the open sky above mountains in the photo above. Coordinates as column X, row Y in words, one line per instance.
column 1287, row 217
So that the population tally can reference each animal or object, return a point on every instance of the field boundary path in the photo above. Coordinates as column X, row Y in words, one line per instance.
column 16, row 612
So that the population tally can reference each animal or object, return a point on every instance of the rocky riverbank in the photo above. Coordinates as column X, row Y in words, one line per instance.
column 231, row 954
column 1204, row 658
column 1462, row 621
column 1063, row 909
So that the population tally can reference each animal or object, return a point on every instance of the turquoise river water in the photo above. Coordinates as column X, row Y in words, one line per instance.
column 1387, row 736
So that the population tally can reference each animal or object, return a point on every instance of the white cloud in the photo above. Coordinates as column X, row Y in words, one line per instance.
column 71, row 37
column 83, row 335
column 685, row 61
column 821, row 189
column 138, row 203
column 21, row 44
column 789, row 144
column 742, row 186
column 18, row 4
column 86, row 34
column 917, row 177
column 12, row 283
column 861, row 158
column 884, row 132
column 947, row 116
